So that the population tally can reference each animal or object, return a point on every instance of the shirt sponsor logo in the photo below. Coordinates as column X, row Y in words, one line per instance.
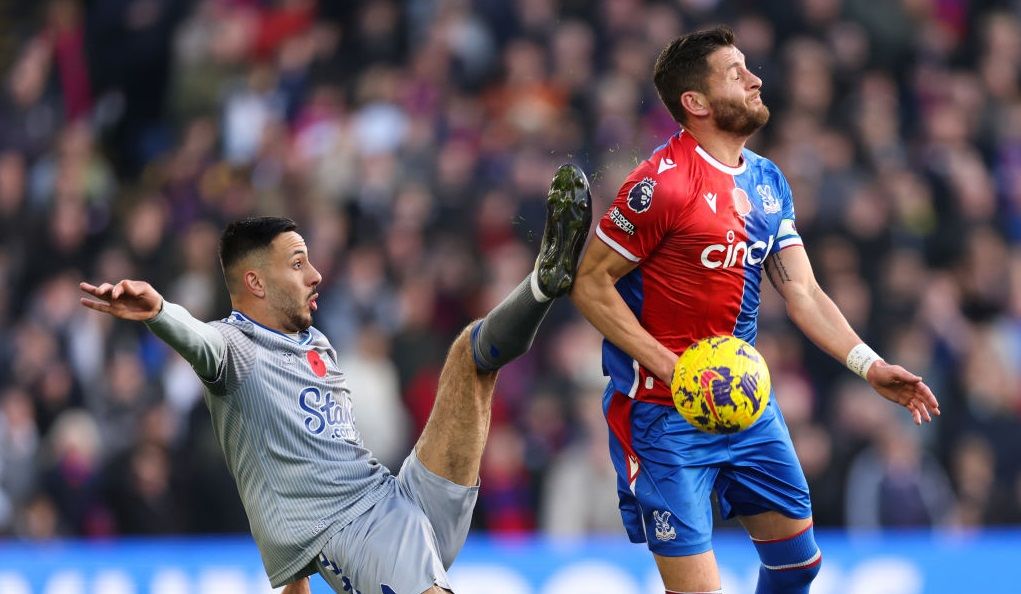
column 770, row 205
column 621, row 221
column 639, row 199
column 731, row 254
column 326, row 414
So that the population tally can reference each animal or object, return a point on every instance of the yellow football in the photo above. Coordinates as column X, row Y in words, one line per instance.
column 721, row 384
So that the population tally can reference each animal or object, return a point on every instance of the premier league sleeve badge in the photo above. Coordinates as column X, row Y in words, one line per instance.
column 639, row 199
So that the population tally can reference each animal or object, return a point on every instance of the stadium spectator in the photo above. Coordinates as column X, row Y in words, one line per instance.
column 894, row 484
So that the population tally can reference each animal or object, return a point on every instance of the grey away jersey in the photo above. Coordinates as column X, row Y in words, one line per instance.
column 281, row 411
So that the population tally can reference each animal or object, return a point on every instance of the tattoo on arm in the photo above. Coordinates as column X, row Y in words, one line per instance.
column 769, row 274
column 776, row 271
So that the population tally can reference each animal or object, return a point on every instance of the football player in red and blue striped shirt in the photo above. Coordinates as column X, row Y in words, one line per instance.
column 680, row 256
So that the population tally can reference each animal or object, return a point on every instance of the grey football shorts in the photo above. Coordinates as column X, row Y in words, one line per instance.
column 406, row 542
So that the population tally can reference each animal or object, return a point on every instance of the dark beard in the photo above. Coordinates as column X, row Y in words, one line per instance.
column 297, row 320
column 737, row 119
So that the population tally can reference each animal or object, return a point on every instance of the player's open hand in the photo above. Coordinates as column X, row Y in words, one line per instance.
column 897, row 384
column 128, row 299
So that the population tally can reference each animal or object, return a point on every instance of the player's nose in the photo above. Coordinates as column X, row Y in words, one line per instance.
column 755, row 82
column 316, row 278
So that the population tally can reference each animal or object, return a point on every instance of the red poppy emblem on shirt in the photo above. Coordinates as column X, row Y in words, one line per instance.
column 316, row 363
column 742, row 204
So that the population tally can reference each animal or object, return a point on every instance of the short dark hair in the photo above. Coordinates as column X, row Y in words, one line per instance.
column 684, row 66
column 245, row 236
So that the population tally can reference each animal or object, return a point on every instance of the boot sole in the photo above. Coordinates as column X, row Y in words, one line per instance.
column 568, row 218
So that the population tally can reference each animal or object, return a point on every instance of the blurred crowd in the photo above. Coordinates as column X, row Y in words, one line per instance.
column 414, row 143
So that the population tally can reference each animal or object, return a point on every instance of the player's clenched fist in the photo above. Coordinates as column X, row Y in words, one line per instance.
column 128, row 299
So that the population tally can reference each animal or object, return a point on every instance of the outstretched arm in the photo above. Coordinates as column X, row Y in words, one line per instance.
column 811, row 310
column 596, row 298
column 201, row 345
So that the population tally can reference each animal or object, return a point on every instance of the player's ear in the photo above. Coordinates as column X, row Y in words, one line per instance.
column 254, row 283
column 695, row 103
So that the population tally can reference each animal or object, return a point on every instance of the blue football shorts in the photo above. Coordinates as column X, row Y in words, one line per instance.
column 667, row 470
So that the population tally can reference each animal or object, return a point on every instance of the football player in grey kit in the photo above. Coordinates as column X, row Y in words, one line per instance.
column 316, row 499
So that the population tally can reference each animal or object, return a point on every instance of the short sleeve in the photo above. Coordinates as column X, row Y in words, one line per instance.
column 638, row 219
column 788, row 232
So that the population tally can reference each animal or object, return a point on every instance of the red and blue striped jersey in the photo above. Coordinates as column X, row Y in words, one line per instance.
column 700, row 232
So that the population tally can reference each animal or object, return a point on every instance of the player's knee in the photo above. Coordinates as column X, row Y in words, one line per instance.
column 789, row 565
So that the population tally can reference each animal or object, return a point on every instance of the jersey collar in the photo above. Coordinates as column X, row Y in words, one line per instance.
column 716, row 164
column 305, row 335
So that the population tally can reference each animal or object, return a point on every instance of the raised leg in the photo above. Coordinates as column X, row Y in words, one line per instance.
column 507, row 332
column 454, row 436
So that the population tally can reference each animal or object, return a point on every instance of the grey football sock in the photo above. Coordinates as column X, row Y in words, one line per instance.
column 507, row 332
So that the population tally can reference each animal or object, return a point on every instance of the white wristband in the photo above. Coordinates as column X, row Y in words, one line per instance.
column 861, row 358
